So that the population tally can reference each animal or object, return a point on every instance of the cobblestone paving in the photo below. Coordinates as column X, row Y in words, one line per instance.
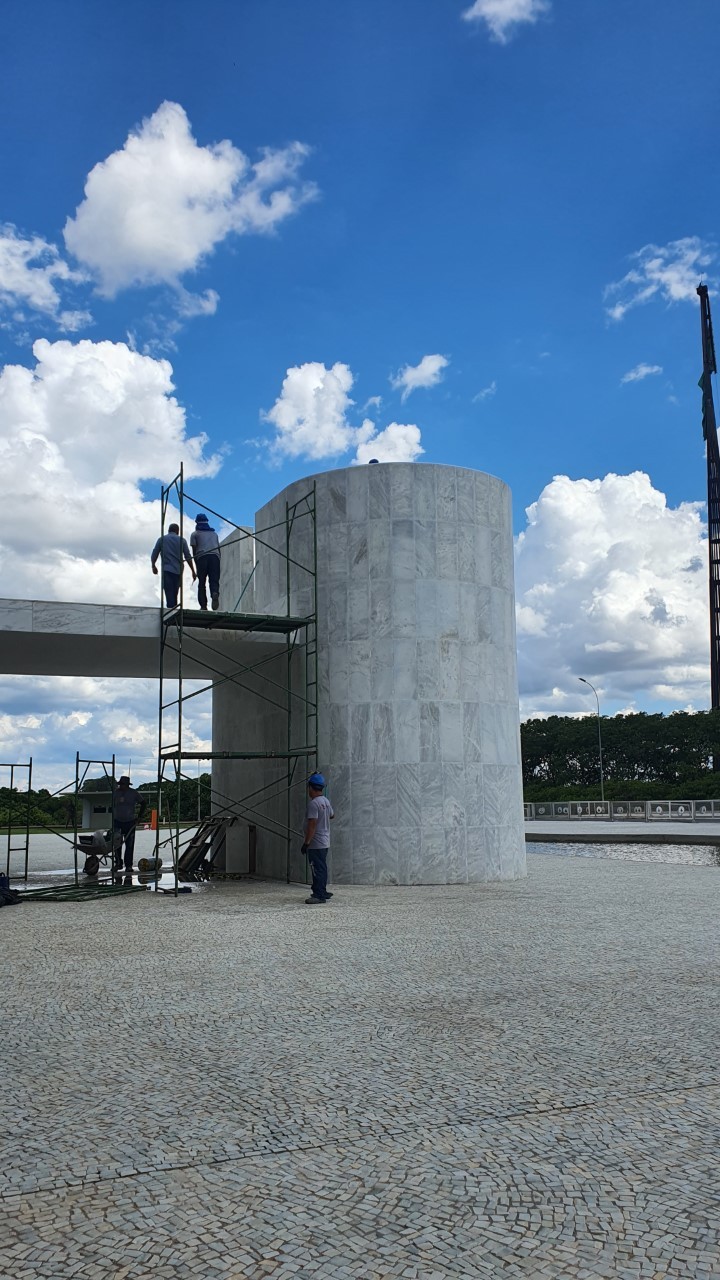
column 515, row 1080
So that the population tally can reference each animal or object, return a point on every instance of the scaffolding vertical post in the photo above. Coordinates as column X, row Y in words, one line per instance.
column 161, row 691
column 9, row 818
column 712, row 450
column 158, row 811
column 164, row 504
column 181, row 504
column 75, row 818
column 27, row 820
column 288, row 774
column 311, row 678
column 175, row 620
column 10, row 813
column 112, row 808
column 178, row 758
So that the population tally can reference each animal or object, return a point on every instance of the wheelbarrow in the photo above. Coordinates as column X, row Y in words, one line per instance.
column 99, row 848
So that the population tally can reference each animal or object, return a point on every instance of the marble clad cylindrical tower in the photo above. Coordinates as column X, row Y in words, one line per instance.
column 418, row 724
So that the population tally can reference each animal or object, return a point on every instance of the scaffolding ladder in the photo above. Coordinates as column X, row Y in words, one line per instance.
column 16, row 808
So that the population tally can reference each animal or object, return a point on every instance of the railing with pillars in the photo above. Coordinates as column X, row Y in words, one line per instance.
column 625, row 810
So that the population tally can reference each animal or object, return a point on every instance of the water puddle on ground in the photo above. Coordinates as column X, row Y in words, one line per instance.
column 50, row 863
column 691, row 855
column 66, row 876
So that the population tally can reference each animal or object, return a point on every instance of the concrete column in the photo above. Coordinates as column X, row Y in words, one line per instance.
column 418, row 705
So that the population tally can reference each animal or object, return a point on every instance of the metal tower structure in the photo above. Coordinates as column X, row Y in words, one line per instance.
column 709, row 425
column 295, row 696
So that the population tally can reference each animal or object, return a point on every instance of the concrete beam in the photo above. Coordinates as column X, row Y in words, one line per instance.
column 54, row 638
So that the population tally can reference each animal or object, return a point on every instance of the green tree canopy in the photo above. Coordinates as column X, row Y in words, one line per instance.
column 680, row 750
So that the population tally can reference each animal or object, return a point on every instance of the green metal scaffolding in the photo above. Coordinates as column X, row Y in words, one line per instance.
column 300, row 633
column 75, row 795
column 18, row 804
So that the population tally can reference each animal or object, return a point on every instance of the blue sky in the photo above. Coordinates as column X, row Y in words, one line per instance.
column 471, row 181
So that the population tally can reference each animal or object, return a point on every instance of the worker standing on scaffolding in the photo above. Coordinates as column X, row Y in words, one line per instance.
column 172, row 550
column 206, row 550
column 125, row 802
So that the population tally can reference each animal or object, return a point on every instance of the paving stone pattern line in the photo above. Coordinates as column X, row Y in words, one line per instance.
column 394, row 1131
column 505, row 1080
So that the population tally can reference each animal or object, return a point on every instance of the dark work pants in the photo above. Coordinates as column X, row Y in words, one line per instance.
column 171, row 587
column 318, row 866
column 208, row 570
column 128, row 835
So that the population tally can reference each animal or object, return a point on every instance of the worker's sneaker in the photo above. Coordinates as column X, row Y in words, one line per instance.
column 314, row 902
column 216, row 603
column 327, row 895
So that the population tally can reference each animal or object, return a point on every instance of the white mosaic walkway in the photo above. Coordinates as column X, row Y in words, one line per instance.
column 514, row 1080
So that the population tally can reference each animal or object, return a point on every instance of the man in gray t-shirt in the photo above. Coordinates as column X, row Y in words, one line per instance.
column 205, row 546
column 318, row 816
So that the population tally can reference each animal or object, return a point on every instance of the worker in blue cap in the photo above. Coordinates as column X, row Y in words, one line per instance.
column 205, row 546
column 318, row 816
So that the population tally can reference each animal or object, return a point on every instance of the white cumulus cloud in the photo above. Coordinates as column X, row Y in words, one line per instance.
column 311, row 419
column 640, row 372
column 502, row 17
column 611, row 585
column 398, row 442
column 79, row 434
column 425, row 374
column 52, row 717
column 310, row 414
column 671, row 272
column 156, row 208
column 34, row 276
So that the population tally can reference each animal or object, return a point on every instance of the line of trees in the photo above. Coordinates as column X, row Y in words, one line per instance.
column 190, row 794
column 644, row 756
column 48, row 810
column 45, row 809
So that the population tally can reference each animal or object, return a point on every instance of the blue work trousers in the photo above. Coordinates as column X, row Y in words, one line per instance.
column 208, row 570
column 171, row 587
column 318, row 866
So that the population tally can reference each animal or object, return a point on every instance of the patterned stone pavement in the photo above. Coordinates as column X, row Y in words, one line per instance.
column 515, row 1080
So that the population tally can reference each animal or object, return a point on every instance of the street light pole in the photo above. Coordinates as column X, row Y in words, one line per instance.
column 592, row 686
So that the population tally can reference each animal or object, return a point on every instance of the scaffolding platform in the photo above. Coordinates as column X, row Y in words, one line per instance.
column 276, row 624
